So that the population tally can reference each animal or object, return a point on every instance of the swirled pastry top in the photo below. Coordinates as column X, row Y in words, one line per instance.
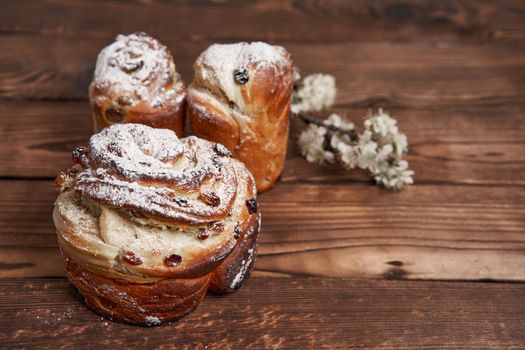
column 138, row 194
column 137, row 68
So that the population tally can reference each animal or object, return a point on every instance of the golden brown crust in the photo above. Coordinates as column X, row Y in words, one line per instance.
column 237, row 266
column 153, row 303
column 148, row 215
column 147, row 304
column 136, row 82
column 104, row 260
column 250, row 117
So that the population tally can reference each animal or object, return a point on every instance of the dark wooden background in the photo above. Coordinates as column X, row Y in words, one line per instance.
column 342, row 263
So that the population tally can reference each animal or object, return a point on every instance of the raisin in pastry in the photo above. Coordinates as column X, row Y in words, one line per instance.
column 240, row 97
column 136, row 82
column 147, row 222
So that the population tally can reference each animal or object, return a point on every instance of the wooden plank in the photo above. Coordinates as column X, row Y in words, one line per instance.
column 356, row 230
column 37, row 138
column 468, row 146
column 410, row 74
column 466, row 163
column 281, row 313
column 423, row 232
column 314, row 21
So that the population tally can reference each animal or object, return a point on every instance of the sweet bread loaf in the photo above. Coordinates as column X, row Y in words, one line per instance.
column 240, row 97
column 135, row 81
column 148, row 222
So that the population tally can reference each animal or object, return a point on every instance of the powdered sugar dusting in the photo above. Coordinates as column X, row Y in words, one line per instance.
column 258, row 53
column 152, row 320
column 152, row 172
column 245, row 265
column 134, row 150
column 136, row 63
column 218, row 63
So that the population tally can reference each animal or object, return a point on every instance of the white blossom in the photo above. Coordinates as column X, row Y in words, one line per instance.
column 311, row 143
column 384, row 153
column 348, row 155
column 362, row 155
column 378, row 149
column 296, row 74
column 339, row 122
column 335, row 120
column 339, row 138
column 384, row 130
column 394, row 175
column 315, row 93
column 367, row 150
column 400, row 144
column 381, row 124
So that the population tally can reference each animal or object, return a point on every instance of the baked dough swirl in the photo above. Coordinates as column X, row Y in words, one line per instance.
column 136, row 81
column 240, row 97
column 148, row 222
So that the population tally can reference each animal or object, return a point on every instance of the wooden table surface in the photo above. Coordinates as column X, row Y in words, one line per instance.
column 342, row 263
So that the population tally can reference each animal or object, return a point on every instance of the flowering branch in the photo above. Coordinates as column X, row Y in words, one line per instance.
column 379, row 149
column 311, row 120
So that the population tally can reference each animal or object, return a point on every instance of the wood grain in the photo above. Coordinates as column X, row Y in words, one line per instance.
column 468, row 146
column 452, row 72
column 306, row 21
column 424, row 232
column 410, row 74
column 281, row 313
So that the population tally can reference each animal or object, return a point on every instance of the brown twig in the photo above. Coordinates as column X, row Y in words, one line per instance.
column 311, row 120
